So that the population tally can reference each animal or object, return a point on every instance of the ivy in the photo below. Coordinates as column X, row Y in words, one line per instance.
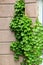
column 29, row 37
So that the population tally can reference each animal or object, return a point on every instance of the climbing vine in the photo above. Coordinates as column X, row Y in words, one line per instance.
column 29, row 37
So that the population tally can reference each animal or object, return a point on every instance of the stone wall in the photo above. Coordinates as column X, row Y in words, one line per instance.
column 6, row 36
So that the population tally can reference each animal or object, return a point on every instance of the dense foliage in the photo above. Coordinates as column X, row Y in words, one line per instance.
column 29, row 37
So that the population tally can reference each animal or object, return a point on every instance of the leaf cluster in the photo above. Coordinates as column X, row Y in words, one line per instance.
column 29, row 38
